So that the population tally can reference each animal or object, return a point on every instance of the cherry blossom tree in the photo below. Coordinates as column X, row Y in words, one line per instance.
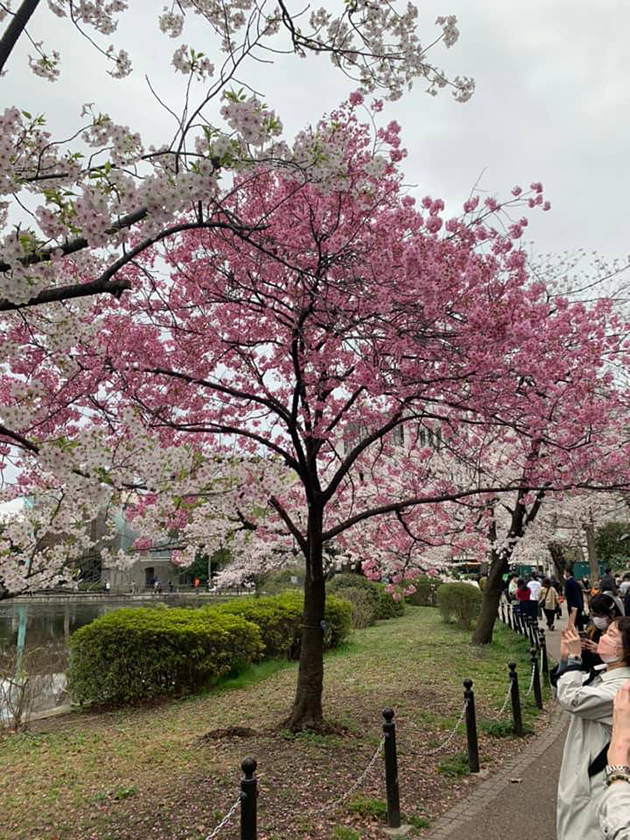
column 87, row 206
column 261, row 373
column 561, row 492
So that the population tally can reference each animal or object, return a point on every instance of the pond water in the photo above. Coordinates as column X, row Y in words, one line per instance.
column 39, row 633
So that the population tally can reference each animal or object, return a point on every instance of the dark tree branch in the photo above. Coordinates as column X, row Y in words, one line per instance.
column 291, row 526
column 15, row 28
column 80, row 243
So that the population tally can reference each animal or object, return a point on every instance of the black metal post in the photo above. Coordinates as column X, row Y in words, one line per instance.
column 545, row 659
column 516, row 700
column 249, row 794
column 535, row 629
column 502, row 612
column 536, row 674
column 391, row 769
column 535, row 632
column 530, row 629
column 471, row 727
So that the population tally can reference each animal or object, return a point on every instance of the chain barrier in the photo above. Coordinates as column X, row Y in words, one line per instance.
column 451, row 735
column 215, row 831
column 358, row 782
column 332, row 806
column 531, row 682
column 505, row 703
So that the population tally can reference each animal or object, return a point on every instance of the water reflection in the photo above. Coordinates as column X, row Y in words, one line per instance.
column 38, row 634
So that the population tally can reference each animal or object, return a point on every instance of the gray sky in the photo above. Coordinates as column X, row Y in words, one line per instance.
column 551, row 104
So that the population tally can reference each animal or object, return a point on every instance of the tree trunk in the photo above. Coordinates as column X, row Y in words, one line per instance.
column 591, row 548
column 490, row 603
column 307, row 706
column 557, row 555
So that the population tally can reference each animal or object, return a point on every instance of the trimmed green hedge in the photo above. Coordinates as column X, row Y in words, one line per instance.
column 387, row 607
column 133, row 654
column 279, row 618
column 459, row 601
column 383, row 604
column 363, row 609
column 349, row 581
column 426, row 591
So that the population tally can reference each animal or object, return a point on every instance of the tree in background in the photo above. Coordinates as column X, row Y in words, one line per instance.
column 612, row 544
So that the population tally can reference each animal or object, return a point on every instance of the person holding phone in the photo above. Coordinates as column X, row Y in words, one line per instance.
column 614, row 809
column 589, row 701
column 604, row 609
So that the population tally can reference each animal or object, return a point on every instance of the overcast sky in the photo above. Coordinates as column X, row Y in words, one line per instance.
column 551, row 104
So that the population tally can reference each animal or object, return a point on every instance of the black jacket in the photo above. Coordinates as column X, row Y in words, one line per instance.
column 573, row 594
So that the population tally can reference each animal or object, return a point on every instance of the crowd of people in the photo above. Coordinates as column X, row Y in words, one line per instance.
column 592, row 682
column 536, row 598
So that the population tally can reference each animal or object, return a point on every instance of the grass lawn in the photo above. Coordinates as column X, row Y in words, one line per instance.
column 169, row 772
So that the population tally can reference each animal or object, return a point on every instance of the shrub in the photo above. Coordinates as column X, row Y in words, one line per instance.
column 134, row 654
column 363, row 609
column 459, row 601
column 426, row 591
column 358, row 582
column 387, row 607
column 338, row 617
column 384, row 605
column 279, row 618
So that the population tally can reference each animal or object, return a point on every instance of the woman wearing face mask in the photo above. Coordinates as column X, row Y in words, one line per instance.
column 604, row 609
column 590, row 704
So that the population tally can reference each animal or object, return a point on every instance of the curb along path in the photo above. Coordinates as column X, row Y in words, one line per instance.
column 500, row 807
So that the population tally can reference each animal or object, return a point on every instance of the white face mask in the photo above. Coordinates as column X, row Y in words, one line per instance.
column 600, row 623
column 609, row 651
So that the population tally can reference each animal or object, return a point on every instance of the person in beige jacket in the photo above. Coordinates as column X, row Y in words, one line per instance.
column 614, row 809
column 589, row 701
column 548, row 600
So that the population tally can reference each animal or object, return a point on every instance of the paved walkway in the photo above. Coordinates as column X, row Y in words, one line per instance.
column 519, row 802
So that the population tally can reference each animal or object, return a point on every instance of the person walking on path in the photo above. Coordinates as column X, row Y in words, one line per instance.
column 534, row 587
column 548, row 600
column 608, row 582
column 574, row 598
column 582, row 780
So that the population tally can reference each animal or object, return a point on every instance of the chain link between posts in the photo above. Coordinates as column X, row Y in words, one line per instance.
column 215, row 831
column 531, row 682
column 452, row 734
column 505, row 703
column 332, row 806
column 357, row 783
